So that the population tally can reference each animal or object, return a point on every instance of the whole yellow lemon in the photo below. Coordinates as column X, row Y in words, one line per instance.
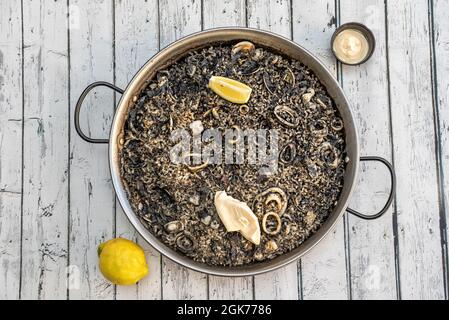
column 122, row 261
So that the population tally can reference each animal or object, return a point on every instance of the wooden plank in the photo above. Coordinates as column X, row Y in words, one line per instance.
column 10, row 147
column 92, row 205
column 219, row 14
column 274, row 16
column 313, row 25
column 371, row 242
column 178, row 19
column 45, row 162
column 221, row 288
column 420, row 258
column 323, row 270
column 224, row 13
column 136, row 41
column 10, row 97
column 10, row 210
column 440, row 42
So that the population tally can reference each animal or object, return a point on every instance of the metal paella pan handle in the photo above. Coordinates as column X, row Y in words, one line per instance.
column 80, row 103
column 392, row 191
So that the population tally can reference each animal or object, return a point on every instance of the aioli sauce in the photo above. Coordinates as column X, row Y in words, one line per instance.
column 350, row 46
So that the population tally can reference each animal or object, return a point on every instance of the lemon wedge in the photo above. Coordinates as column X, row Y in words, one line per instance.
column 229, row 89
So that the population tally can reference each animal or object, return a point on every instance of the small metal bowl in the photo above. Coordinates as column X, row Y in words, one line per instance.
column 367, row 33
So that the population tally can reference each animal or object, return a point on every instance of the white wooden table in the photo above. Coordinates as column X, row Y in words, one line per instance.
column 56, row 198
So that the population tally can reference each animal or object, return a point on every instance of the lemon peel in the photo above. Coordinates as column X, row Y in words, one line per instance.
column 122, row 262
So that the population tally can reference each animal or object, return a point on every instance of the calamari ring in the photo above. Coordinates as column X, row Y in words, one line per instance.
column 280, row 197
column 244, row 109
column 194, row 168
column 278, row 223
column 293, row 118
column 288, row 153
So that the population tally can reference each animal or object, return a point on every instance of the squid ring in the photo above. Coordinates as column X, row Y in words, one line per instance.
column 337, row 124
column 278, row 223
column 244, row 109
column 276, row 195
column 194, row 168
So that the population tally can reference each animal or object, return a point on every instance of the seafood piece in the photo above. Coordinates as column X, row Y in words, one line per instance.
column 319, row 128
column 162, row 81
column 215, row 224
column 276, row 195
column 312, row 169
column 268, row 84
column 258, row 54
column 198, row 168
column 146, row 218
column 287, row 116
column 271, row 246
column 258, row 256
column 321, row 103
column 288, row 153
column 185, row 243
column 206, row 220
column 195, row 200
column 290, row 77
column 271, row 227
column 244, row 109
column 329, row 155
column 249, row 68
column 306, row 97
column 310, row 217
column 274, row 59
column 237, row 216
column 191, row 69
column 174, row 227
column 244, row 46
column 215, row 114
column 186, row 159
column 337, row 124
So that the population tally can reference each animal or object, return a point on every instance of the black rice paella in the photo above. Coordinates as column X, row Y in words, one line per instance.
column 180, row 203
